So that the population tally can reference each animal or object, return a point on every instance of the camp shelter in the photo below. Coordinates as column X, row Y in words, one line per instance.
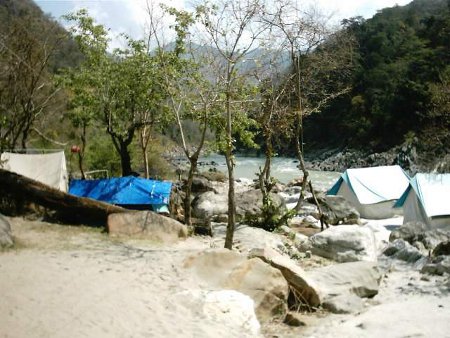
column 130, row 192
column 47, row 168
column 372, row 191
column 427, row 200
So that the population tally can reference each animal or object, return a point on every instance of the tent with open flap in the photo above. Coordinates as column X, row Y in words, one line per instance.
column 372, row 191
column 427, row 200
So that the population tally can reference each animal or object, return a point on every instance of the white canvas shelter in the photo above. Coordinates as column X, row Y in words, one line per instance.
column 372, row 191
column 427, row 200
column 48, row 168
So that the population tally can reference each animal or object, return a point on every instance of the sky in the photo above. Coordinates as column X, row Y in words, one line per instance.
column 129, row 16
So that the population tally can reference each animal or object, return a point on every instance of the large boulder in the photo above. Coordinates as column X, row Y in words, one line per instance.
column 146, row 224
column 346, row 243
column 438, row 266
column 221, row 268
column 305, row 288
column 209, row 204
column 6, row 239
column 248, row 203
column 201, row 184
column 226, row 313
column 338, row 210
column 325, row 284
column 359, row 278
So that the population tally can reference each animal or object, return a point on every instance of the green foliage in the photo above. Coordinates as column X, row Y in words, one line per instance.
column 271, row 217
column 402, row 54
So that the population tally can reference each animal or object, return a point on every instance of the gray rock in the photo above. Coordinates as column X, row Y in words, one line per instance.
column 221, row 268
column 402, row 250
column 345, row 303
column 6, row 240
column 442, row 249
column 201, row 184
column 338, row 210
column 248, row 203
column 359, row 278
column 346, row 243
column 413, row 232
column 438, row 266
column 146, row 224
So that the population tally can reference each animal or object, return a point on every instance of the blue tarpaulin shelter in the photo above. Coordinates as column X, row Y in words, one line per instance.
column 125, row 191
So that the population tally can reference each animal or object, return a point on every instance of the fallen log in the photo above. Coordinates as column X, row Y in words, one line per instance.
column 76, row 210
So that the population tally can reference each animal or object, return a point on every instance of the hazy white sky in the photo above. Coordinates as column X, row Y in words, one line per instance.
column 129, row 16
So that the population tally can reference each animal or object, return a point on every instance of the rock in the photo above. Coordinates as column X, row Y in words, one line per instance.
column 218, row 309
column 338, row 210
column 442, row 249
column 438, row 266
column 209, row 204
column 146, row 224
column 201, row 184
column 418, row 232
column 248, row 203
column 6, row 240
column 310, row 222
column 402, row 250
column 359, row 278
column 347, row 243
column 294, row 319
column 345, row 303
column 221, row 268
column 297, row 278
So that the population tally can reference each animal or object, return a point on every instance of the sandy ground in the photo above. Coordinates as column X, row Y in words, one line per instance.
column 77, row 282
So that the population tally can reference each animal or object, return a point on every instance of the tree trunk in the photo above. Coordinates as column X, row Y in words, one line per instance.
column 231, row 203
column 81, row 152
column 77, row 210
column 125, row 159
column 187, row 198
column 299, row 152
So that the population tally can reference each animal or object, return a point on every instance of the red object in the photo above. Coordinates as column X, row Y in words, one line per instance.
column 75, row 149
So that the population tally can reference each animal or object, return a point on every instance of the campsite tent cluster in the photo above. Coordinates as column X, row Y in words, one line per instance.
column 376, row 192
column 382, row 192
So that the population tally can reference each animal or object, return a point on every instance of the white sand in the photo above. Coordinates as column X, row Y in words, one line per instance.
column 70, row 282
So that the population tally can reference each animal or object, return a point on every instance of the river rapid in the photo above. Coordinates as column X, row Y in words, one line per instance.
column 284, row 169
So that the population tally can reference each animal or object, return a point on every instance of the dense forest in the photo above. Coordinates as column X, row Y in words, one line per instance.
column 388, row 88
column 400, row 87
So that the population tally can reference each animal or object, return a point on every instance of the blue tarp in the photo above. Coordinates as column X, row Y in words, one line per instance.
column 123, row 190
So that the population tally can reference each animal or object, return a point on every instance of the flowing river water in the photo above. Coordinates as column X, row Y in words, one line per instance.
column 284, row 169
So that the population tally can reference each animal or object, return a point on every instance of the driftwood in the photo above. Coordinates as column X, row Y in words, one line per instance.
column 76, row 210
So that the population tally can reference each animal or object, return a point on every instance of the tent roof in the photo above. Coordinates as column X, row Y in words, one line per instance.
column 123, row 190
column 433, row 191
column 374, row 184
column 48, row 168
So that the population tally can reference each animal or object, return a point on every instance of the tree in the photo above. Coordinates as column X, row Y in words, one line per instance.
column 321, row 62
column 27, row 89
column 127, row 86
column 232, row 29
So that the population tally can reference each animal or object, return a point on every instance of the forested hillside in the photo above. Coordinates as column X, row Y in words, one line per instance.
column 374, row 85
column 400, row 88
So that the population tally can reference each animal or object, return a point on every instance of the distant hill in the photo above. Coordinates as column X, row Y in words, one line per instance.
column 400, row 87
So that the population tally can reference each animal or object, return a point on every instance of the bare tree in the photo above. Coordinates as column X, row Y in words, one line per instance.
column 321, row 63
column 232, row 29
column 27, row 88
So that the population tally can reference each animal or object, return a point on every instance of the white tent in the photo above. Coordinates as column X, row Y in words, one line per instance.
column 427, row 200
column 48, row 168
column 372, row 191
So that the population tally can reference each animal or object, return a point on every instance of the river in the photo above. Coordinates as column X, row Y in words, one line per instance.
column 283, row 168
